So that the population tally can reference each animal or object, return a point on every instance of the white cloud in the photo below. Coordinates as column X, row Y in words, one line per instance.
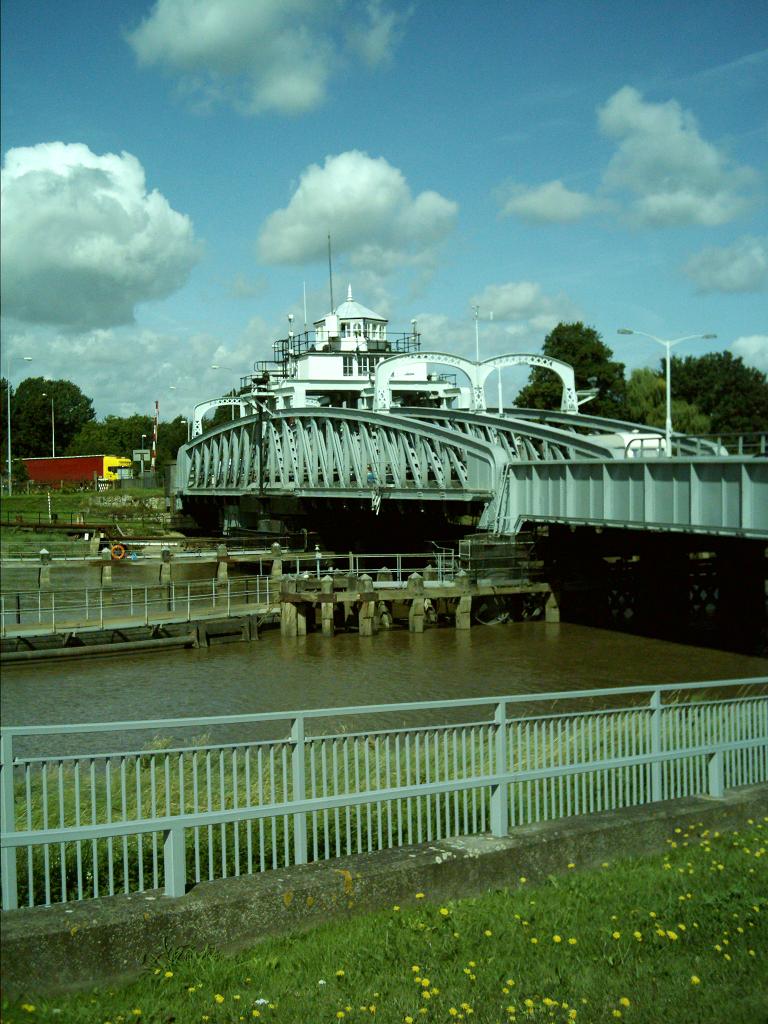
column 662, row 173
column 549, row 203
column 261, row 55
column 753, row 349
column 517, row 301
column 125, row 369
column 375, row 38
column 83, row 241
column 741, row 267
column 673, row 175
column 367, row 206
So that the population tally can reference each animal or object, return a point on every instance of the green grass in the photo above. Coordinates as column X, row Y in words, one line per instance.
column 680, row 937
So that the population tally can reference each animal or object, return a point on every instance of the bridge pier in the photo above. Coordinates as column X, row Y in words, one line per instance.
column 552, row 607
column 366, row 618
column 326, row 606
column 416, row 611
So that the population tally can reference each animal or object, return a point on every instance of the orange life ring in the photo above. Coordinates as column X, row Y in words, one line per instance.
column 117, row 551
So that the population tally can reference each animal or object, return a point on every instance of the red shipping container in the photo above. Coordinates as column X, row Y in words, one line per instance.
column 70, row 468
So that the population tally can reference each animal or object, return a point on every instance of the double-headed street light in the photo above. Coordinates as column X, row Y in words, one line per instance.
column 668, row 344
column 26, row 359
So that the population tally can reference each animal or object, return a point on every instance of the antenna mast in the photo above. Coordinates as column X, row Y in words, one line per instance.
column 330, row 270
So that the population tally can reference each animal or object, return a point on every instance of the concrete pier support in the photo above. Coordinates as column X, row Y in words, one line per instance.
column 106, row 568
column 165, row 567
column 352, row 584
column 44, row 575
column 367, row 622
column 415, row 592
column 552, row 607
column 326, row 606
column 221, row 563
column 384, row 610
column 464, row 604
column 288, row 619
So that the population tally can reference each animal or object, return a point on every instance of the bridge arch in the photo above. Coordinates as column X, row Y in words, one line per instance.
column 477, row 373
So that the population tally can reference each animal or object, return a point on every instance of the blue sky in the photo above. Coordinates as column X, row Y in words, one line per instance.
column 171, row 170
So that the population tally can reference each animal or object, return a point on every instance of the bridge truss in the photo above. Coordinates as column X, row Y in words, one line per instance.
column 505, row 467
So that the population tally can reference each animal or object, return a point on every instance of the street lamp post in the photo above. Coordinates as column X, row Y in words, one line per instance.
column 53, row 427
column 27, row 359
column 668, row 345
column 218, row 366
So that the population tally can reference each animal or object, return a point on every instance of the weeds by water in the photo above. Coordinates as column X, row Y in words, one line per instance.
column 679, row 937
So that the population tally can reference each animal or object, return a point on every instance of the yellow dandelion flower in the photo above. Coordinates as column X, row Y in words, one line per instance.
column 638, row 936
column 408, row 1020
column 487, row 933
column 557, row 938
column 444, row 911
column 219, row 997
column 672, row 936
column 415, row 968
column 339, row 974
column 529, row 1003
column 534, row 941
column 472, row 963
column 419, row 895
column 571, row 865
column 340, row 1014
column 523, row 879
column 396, row 907
column 28, row 1007
column 615, row 935
column 616, row 1013
column 624, row 1001
column 695, row 979
column 255, row 1013
column 572, row 941
column 168, row 974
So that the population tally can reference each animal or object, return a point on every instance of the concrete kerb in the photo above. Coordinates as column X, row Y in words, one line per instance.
column 82, row 945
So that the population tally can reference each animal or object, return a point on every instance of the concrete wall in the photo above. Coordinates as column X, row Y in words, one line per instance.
column 81, row 945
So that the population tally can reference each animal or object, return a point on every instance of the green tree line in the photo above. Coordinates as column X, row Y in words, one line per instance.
column 55, row 415
column 714, row 393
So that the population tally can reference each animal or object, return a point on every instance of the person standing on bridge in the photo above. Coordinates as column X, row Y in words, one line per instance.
column 371, row 478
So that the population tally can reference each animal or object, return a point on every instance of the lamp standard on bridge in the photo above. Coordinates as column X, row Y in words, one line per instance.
column 26, row 359
column 668, row 344
column 53, row 426
column 218, row 366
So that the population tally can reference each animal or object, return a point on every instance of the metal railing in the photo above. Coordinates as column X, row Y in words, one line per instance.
column 51, row 611
column 159, row 814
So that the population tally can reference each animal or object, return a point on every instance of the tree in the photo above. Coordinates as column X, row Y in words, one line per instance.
column 31, row 412
column 647, row 403
column 734, row 396
column 593, row 366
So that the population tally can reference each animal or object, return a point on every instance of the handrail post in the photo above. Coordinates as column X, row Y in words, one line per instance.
column 299, row 790
column 146, row 606
column 656, row 775
column 8, row 824
column 2, row 612
column 101, row 607
column 229, row 597
column 53, row 612
column 189, row 603
column 716, row 775
column 174, row 861
column 499, row 792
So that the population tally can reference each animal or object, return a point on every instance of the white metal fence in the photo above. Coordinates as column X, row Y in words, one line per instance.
column 47, row 611
column 164, row 814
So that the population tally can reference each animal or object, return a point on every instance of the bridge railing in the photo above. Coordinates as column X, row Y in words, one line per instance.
column 53, row 611
column 754, row 443
column 252, row 793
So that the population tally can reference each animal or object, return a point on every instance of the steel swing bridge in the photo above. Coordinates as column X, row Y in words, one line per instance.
column 528, row 464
